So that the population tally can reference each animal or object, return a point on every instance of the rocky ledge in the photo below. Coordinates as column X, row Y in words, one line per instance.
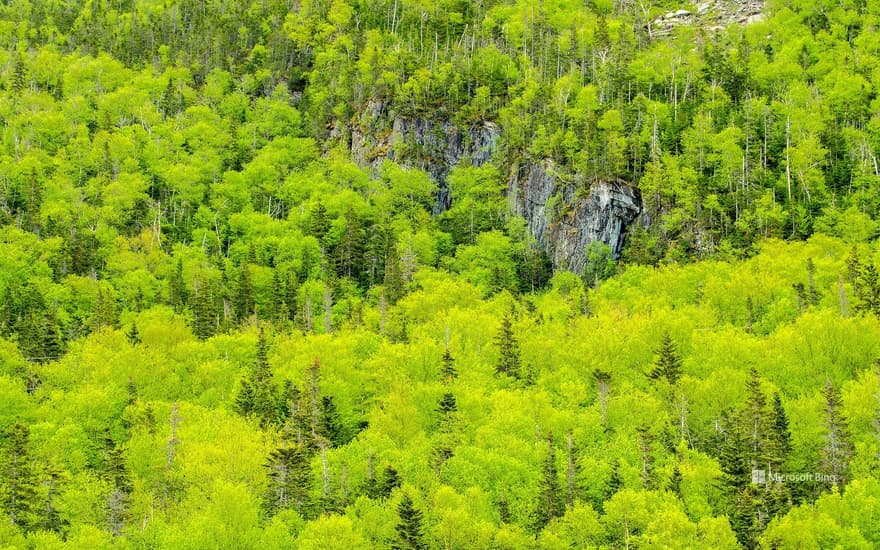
column 713, row 14
column 567, row 213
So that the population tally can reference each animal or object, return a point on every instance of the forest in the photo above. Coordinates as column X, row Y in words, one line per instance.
column 250, row 300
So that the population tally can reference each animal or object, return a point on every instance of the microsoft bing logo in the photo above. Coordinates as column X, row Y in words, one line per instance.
column 759, row 476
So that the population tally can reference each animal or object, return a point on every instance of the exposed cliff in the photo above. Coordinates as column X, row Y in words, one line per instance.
column 435, row 146
column 567, row 214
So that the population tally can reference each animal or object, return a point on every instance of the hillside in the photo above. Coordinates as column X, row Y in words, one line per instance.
column 404, row 274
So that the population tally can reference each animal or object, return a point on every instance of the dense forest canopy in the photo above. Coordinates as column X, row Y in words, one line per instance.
column 234, row 313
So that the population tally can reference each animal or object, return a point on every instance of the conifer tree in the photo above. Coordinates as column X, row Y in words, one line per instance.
column 204, row 314
column 331, row 427
column 508, row 347
column 19, row 75
column 550, row 502
column 868, row 290
column 319, row 225
column 133, row 335
column 390, row 481
column 177, row 294
column 781, row 432
column 18, row 480
column 409, row 528
column 244, row 294
column 105, row 313
column 116, row 472
column 668, row 364
column 394, row 287
column 838, row 449
column 290, row 481
column 449, row 372
column 265, row 405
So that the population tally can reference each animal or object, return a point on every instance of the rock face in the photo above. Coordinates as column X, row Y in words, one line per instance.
column 714, row 14
column 566, row 216
column 435, row 146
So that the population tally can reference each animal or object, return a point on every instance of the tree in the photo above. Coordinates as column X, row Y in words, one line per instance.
column 550, row 502
column 409, row 527
column 116, row 472
column 449, row 373
column 177, row 294
column 838, row 449
column 290, row 481
column 204, row 314
column 508, row 362
column 18, row 480
column 244, row 294
column 133, row 335
column 331, row 427
column 394, row 283
column 668, row 363
column 319, row 225
column 265, row 406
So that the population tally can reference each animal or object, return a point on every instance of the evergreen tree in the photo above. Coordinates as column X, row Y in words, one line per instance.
column 449, row 373
column 409, row 528
column 668, row 364
column 550, row 502
column 265, row 405
column 244, row 294
column 116, row 472
column 781, row 432
column 104, row 314
column 350, row 250
column 19, row 75
column 868, row 290
column 133, row 335
column 838, row 449
column 675, row 481
column 204, row 314
column 290, row 481
column 168, row 103
column 244, row 397
column 319, row 225
column 177, row 295
column 18, row 481
column 394, row 284
column 390, row 481
column 331, row 427
column 508, row 347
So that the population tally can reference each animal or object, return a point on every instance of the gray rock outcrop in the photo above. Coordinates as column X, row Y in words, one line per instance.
column 435, row 146
column 566, row 214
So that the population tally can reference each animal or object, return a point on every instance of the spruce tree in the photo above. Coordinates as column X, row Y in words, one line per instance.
column 331, row 427
column 781, row 432
column 18, row 480
column 290, row 481
column 204, row 314
column 319, row 225
column 19, row 75
column 394, row 284
column 409, row 527
column 265, row 405
column 116, row 472
column 177, row 294
column 133, row 336
column 244, row 294
column 449, row 373
column 390, row 481
column 508, row 347
column 668, row 363
column 838, row 449
column 550, row 502
column 868, row 290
